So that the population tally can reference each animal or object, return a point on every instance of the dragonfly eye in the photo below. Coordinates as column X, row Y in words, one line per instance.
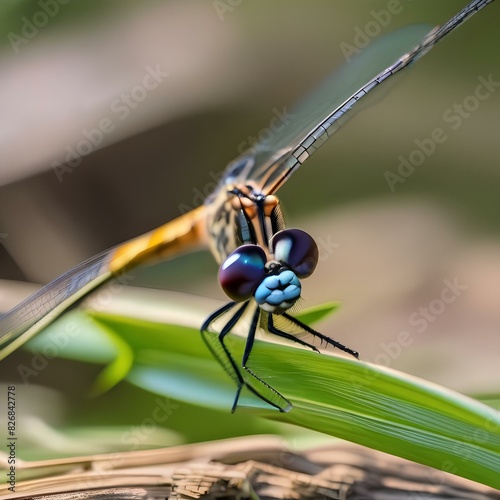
column 242, row 271
column 297, row 250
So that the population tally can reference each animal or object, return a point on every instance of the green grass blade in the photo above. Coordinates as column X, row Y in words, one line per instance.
column 314, row 314
column 370, row 405
column 367, row 404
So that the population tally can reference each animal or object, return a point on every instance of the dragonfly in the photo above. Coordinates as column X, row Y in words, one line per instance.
column 261, row 261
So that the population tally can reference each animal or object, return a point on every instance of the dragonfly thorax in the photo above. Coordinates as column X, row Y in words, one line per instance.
column 241, row 214
column 258, row 216
column 253, row 203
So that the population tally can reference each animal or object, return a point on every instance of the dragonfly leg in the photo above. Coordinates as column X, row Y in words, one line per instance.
column 280, row 402
column 326, row 339
column 280, row 333
column 216, row 342
column 216, row 314
column 224, row 357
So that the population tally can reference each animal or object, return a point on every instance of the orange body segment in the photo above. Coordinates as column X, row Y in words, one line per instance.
column 185, row 233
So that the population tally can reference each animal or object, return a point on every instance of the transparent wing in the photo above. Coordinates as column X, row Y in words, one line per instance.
column 37, row 311
column 269, row 164
column 176, row 237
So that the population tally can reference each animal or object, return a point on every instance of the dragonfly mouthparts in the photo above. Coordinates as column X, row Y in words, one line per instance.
column 278, row 291
column 275, row 267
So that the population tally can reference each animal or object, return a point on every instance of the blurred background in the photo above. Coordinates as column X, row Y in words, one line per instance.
column 219, row 71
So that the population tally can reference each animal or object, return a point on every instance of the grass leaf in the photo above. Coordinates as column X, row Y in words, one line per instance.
column 357, row 401
column 367, row 404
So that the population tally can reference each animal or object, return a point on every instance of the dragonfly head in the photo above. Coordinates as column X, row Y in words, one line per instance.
column 274, row 283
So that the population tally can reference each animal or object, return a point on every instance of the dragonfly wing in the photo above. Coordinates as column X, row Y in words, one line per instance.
column 40, row 309
column 326, row 109
column 176, row 237
column 269, row 164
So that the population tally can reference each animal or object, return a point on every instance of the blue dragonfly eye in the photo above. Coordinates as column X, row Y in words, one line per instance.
column 242, row 271
column 297, row 250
